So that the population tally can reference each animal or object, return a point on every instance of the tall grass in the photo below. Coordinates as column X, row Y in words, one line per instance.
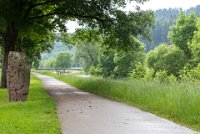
column 35, row 116
column 179, row 102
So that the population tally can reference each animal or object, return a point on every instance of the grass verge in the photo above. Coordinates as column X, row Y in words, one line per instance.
column 179, row 102
column 35, row 116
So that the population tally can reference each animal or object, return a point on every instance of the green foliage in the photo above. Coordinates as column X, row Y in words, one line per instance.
column 164, row 19
column 190, row 74
column 49, row 64
column 58, row 47
column 176, row 101
column 87, row 47
column 139, row 71
column 116, row 26
column 126, row 61
column 106, row 62
column 117, row 63
column 96, row 71
column 182, row 33
column 195, row 44
column 150, row 74
column 63, row 60
column 34, row 19
column 183, row 74
column 127, row 28
column 84, row 36
column 162, row 76
column 168, row 58
column 34, row 46
column 37, row 115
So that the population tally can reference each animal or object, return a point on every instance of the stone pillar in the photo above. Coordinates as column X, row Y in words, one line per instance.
column 18, row 76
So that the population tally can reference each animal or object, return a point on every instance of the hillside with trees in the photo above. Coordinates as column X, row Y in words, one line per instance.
column 165, row 18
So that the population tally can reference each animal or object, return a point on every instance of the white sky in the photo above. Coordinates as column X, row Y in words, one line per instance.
column 151, row 4
column 158, row 4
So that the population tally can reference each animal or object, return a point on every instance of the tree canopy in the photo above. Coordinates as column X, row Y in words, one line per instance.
column 31, row 19
column 35, row 17
column 63, row 60
column 166, row 58
column 182, row 33
column 195, row 44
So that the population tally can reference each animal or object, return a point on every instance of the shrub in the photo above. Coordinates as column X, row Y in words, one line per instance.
column 194, row 74
column 138, row 72
column 162, row 76
column 96, row 71
column 150, row 73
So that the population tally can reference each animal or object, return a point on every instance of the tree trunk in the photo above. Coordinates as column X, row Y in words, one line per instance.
column 4, row 67
column 9, row 44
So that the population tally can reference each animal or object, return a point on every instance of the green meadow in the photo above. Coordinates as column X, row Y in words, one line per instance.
column 35, row 116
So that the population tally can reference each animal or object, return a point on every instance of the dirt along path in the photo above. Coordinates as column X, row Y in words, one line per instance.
column 84, row 113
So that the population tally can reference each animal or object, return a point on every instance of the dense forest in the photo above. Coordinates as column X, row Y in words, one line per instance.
column 165, row 18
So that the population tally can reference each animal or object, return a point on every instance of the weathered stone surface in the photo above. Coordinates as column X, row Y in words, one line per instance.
column 18, row 76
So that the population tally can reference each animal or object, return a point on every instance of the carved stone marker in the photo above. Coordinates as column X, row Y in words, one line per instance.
column 18, row 76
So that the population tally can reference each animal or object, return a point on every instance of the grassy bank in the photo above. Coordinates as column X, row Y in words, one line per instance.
column 35, row 116
column 179, row 102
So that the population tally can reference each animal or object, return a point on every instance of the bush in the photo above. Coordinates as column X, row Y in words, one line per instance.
column 139, row 71
column 183, row 74
column 162, row 76
column 194, row 74
column 96, row 71
column 150, row 73
column 188, row 74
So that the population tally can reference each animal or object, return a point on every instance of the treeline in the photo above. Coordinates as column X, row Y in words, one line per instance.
column 165, row 18
column 178, row 61
column 63, row 60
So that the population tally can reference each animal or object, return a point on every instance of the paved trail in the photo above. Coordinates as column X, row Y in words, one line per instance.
column 84, row 113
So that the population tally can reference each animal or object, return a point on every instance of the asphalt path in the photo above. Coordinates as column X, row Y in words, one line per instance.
column 84, row 113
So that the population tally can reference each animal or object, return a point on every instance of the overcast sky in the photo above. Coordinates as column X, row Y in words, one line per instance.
column 157, row 4
column 154, row 5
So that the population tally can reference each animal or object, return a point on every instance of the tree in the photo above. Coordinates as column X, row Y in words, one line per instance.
column 87, row 42
column 49, row 64
column 87, row 54
column 1, row 52
column 106, row 64
column 166, row 58
column 125, row 62
column 182, row 33
column 195, row 44
column 165, row 18
column 63, row 60
column 20, row 17
column 116, row 63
